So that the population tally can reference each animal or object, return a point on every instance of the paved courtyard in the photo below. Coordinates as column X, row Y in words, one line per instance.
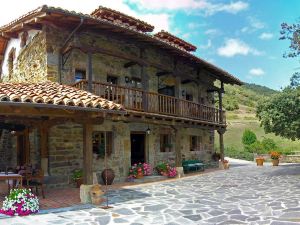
column 241, row 195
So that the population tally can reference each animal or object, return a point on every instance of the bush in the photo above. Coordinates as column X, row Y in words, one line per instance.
column 255, row 147
column 269, row 144
column 249, row 137
column 237, row 154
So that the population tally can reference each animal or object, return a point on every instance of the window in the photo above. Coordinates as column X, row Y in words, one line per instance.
column 189, row 97
column 80, row 75
column 136, row 82
column 102, row 141
column 112, row 80
column 195, row 143
column 165, row 143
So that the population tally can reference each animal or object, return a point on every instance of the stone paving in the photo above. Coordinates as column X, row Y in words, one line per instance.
column 241, row 195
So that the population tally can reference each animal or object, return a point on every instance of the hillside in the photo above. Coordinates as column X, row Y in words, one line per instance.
column 240, row 103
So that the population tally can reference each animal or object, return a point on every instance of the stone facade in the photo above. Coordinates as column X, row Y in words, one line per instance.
column 39, row 61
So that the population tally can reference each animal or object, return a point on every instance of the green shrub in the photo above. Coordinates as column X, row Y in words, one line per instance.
column 238, row 154
column 249, row 137
column 269, row 144
column 255, row 147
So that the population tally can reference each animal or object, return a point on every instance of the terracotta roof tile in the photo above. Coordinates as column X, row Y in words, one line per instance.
column 54, row 94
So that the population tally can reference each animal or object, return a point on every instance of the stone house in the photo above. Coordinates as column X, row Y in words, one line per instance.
column 114, row 87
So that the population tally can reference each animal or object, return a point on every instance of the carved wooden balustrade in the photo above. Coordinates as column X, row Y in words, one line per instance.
column 151, row 102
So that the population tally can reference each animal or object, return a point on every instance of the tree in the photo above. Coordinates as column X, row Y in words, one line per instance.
column 249, row 137
column 281, row 114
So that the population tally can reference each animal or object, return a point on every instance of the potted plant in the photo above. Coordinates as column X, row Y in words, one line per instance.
column 172, row 172
column 77, row 177
column 259, row 160
column 162, row 169
column 20, row 202
column 275, row 157
column 225, row 164
column 168, row 147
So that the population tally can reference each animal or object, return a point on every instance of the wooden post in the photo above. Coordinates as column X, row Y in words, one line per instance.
column 221, row 102
column 145, row 82
column 87, row 153
column 27, row 146
column 90, row 71
column 221, row 139
column 178, row 159
column 44, row 149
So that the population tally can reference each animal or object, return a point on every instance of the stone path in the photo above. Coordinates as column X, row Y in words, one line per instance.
column 241, row 195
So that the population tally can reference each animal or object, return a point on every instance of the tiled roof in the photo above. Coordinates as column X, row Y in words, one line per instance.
column 182, row 44
column 149, row 37
column 54, row 94
column 121, row 18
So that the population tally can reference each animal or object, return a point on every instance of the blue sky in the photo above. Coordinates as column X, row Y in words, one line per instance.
column 240, row 36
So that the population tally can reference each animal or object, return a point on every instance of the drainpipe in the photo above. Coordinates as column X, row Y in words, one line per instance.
column 64, row 45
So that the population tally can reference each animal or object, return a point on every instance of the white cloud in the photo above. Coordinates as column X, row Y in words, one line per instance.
column 208, row 45
column 266, row 36
column 256, row 72
column 205, row 5
column 212, row 32
column 254, row 25
column 234, row 47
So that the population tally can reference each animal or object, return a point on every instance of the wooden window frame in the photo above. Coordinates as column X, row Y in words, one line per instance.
column 195, row 147
column 83, row 72
column 108, row 143
column 165, row 139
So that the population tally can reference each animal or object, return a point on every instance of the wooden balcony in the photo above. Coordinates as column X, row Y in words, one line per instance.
column 151, row 102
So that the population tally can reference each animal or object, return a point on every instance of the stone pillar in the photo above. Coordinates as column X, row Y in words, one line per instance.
column 178, row 158
column 87, row 154
column 221, row 133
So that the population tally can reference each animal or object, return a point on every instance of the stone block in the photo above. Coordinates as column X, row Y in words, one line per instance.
column 85, row 193
column 180, row 172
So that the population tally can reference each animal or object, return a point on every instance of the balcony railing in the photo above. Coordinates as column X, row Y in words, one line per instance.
column 139, row 100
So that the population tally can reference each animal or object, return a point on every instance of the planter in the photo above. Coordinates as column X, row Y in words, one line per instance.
column 226, row 166
column 79, row 182
column 275, row 162
column 139, row 176
column 96, row 194
column 260, row 161
column 165, row 174
column 108, row 176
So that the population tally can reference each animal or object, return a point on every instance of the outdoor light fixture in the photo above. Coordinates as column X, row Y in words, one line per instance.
column 127, row 79
column 183, row 93
column 148, row 131
column 13, row 132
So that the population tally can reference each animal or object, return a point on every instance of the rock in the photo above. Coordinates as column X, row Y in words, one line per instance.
column 85, row 193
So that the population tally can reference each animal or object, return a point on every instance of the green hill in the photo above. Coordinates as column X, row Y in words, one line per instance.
column 240, row 103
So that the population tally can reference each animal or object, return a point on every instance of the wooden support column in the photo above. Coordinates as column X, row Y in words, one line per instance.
column 44, row 149
column 178, row 160
column 220, row 92
column 145, row 82
column 87, row 153
column 27, row 146
column 89, row 70
column 221, row 139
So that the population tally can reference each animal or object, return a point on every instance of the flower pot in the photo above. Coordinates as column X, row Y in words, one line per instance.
column 260, row 161
column 165, row 174
column 139, row 175
column 79, row 182
column 108, row 176
column 226, row 166
column 275, row 162
column 96, row 194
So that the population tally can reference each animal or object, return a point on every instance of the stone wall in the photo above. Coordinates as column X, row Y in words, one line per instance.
column 65, row 146
column 8, row 154
column 31, row 61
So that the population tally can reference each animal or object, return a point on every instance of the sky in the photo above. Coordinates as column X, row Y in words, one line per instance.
column 240, row 36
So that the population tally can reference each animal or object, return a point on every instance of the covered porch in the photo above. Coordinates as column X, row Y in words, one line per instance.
column 33, row 121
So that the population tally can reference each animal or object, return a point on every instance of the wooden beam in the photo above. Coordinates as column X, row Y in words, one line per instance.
column 89, row 69
column 87, row 154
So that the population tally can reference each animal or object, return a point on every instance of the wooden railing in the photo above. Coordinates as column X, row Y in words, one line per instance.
column 139, row 100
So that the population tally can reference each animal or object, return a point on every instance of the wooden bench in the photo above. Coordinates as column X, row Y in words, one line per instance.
column 192, row 165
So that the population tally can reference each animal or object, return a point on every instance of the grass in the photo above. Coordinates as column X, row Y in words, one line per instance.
column 242, row 119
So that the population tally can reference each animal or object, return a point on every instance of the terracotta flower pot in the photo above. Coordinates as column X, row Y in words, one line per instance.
column 275, row 162
column 109, row 175
column 226, row 166
column 260, row 161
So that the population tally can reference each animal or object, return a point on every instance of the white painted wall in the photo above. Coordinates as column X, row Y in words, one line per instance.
column 15, row 43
